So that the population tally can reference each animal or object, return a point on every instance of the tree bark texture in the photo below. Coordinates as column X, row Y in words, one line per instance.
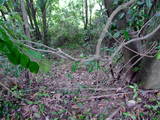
column 25, row 19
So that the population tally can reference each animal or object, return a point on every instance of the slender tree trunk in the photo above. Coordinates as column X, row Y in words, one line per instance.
column 86, row 14
column 32, row 13
column 108, row 6
column 45, row 39
column 90, row 13
column 25, row 19
column 83, row 13
column 26, row 28
column 29, row 13
column 38, row 33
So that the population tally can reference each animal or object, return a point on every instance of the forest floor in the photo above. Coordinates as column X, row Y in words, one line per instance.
column 63, row 94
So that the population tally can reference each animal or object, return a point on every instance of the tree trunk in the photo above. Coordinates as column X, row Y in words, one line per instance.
column 30, row 5
column 90, row 13
column 26, row 28
column 86, row 14
column 29, row 13
column 108, row 7
column 25, row 19
column 45, row 39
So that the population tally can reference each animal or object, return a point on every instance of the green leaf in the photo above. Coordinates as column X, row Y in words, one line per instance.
column 75, row 66
column 14, row 60
column 2, row 46
column 148, row 3
column 45, row 66
column 5, row 37
column 14, row 50
column 33, row 67
column 24, row 60
column 32, row 54
column 126, row 35
column 30, row 102
column 158, row 56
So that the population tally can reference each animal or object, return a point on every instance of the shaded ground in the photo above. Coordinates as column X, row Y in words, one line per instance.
column 63, row 94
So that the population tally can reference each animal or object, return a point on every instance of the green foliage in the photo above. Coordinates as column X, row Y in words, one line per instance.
column 129, row 115
column 44, row 65
column 6, row 108
column 135, row 90
column 137, row 16
column 92, row 66
column 75, row 66
column 24, row 60
column 2, row 2
column 12, row 51
column 33, row 67
column 42, row 3
column 158, row 56
column 10, row 69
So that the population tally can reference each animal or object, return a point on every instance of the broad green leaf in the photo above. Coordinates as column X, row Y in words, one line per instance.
column 11, row 50
column 2, row 46
column 32, row 54
column 24, row 60
column 33, row 67
column 14, row 50
column 5, row 37
column 14, row 60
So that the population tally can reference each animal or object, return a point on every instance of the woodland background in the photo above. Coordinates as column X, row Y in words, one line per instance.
column 79, row 59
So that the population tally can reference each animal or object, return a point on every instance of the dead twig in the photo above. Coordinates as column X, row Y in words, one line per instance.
column 146, row 37
column 147, row 52
column 105, row 96
column 113, row 114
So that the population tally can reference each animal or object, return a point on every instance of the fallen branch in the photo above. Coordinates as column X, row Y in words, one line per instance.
column 105, row 96
column 64, row 55
column 45, row 51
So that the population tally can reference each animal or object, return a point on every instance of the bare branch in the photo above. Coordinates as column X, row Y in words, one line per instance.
column 110, row 19
column 38, row 44
column 146, row 37
column 45, row 51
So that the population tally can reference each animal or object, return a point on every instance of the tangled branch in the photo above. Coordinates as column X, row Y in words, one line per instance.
column 64, row 55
